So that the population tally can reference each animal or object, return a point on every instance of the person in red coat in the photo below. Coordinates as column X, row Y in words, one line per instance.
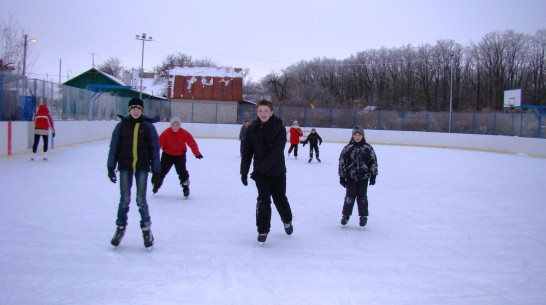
column 295, row 134
column 173, row 141
column 42, row 124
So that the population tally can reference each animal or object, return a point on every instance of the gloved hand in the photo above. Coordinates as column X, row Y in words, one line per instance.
column 244, row 179
column 343, row 181
column 372, row 180
column 112, row 175
column 199, row 157
column 303, row 144
column 53, row 135
column 156, row 179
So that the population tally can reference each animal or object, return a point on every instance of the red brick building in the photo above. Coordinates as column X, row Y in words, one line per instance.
column 206, row 84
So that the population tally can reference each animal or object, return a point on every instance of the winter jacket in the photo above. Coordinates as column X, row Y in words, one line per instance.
column 313, row 139
column 295, row 134
column 174, row 143
column 134, row 153
column 357, row 161
column 265, row 143
column 242, row 133
column 42, row 119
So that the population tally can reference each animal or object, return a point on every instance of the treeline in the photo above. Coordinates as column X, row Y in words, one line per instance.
column 417, row 78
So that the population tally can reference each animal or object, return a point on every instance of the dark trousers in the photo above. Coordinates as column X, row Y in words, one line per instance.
column 179, row 162
column 295, row 148
column 37, row 140
column 315, row 148
column 271, row 187
column 356, row 190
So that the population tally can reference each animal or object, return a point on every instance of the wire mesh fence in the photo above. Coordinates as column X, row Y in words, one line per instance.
column 20, row 98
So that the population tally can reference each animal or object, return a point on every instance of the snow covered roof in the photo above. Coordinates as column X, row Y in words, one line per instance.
column 206, row 71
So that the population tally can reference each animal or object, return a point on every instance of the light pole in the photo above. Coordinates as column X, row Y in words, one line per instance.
column 144, row 39
column 450, row 90
column 25, row 52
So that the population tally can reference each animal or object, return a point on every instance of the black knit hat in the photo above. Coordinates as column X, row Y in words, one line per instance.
column 136, row 102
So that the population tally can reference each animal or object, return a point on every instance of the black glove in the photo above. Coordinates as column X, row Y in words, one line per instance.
column 343, row 181
column 244, row 179
column 199, row 157
column 303, row 144
column 372, row 180
column 112, row 175
column 156, row 179
column 53, row 135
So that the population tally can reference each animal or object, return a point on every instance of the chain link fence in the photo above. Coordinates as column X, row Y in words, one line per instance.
column 20, row 98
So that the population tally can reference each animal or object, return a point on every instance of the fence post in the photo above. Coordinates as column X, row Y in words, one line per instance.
column 330, row 119
column 495, row 123
column 378, row 119
column 473, row 122
column 305, row 116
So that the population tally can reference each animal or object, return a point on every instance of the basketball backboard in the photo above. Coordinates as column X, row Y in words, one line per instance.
column 512, row 98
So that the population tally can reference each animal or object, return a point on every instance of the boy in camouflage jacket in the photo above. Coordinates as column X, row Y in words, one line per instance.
column 357, row 167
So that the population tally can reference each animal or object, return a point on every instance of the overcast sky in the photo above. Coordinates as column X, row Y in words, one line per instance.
column 264, row 36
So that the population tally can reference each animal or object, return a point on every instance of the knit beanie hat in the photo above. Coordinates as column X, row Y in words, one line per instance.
column 358, row 129
column 175, row 119
column 136, row 102
column 295, row 122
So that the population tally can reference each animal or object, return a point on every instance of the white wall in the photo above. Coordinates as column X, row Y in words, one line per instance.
column 75, row 132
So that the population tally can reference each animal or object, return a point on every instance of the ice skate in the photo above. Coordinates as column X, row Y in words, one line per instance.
column 363, row 221
column 262, row 237
column 310, row 159
column 288, row 228
column 186, row 188
column 118, row 236
column 148, row 238
column 318, row 160
column 345, row 219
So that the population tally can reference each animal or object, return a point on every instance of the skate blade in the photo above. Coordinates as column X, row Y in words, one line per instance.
column 149, row 249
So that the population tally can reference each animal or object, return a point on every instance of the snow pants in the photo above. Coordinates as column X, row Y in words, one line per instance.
column 356, row 190
column 271, row 187
column 315, row 148
column 295, row 148
column 179, row 162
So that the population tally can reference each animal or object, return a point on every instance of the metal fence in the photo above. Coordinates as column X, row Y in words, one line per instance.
column 531, row 123
column 20, row 98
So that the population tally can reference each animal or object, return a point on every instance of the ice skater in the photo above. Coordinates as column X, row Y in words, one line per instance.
column 357, row 167
column 314, row 141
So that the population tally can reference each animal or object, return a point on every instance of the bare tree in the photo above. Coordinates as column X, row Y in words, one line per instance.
column 112, row 66
column 12, row 44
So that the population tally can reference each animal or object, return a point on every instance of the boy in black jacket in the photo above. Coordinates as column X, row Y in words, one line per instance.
column 314, row 141
column 134, row 149
column 265, row 141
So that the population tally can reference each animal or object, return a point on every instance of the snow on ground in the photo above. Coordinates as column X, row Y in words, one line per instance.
column 446, row 227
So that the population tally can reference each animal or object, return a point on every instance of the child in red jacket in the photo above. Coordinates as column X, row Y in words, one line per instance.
column 295, row 134
column 42, row 124
column 173, row 142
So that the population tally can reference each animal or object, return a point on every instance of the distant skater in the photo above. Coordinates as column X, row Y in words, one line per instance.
column 295, row 134
column 314, row 141
column 242, row 134
column 357, row 165
column 43, row 123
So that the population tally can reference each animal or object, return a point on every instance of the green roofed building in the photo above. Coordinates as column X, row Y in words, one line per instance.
column 97, row 81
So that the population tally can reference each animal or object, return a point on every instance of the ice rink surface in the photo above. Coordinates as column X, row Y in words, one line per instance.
column 445, row 227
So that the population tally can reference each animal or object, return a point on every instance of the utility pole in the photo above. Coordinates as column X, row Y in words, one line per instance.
column 144, row 39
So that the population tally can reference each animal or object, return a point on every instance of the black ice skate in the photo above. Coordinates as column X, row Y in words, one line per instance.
column 345, row 219
column 288, row 228
column 148, row 237
column 310, row 159
column 118, row 236
column 262, row 237
column 186, row 188
column 363, row 221
column 318, row 160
